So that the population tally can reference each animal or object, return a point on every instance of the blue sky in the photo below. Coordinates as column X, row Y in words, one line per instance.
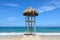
column 11, row 12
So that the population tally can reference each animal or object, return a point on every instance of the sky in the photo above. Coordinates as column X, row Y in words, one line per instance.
column 11, row 12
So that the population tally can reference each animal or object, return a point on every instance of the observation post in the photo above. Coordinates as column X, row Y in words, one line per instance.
column 30, row 21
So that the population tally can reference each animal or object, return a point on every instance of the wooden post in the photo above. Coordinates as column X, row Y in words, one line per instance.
column 34, row 25
column 31, row 24
column 28, row 25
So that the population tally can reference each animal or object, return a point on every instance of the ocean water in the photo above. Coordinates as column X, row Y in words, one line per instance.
column 18, row 30
column 38, row 29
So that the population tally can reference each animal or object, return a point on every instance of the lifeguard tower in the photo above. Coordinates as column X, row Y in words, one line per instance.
column 30, row 21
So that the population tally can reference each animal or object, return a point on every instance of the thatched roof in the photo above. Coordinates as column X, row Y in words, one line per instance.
column 30, row 12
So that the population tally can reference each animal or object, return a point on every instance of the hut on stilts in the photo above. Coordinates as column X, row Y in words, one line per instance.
column 30, row 21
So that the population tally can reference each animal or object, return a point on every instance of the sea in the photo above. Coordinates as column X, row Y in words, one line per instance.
column 21, row 30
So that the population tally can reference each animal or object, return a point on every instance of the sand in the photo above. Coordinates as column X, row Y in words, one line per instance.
column 32, row 37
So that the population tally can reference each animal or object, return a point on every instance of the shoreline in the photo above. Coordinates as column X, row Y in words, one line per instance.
column 38, row 36
column 22, row 33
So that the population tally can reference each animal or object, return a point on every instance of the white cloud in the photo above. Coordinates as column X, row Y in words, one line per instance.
column 12, row 18
column 56, row 2
column 11, row 5
column 46, row 8
column 49, row 6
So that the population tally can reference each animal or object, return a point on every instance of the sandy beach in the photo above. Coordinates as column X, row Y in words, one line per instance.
column 21, row 37
column 31, row 37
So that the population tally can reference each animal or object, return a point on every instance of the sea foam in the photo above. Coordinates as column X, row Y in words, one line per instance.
column 20, row 33
column 11, row 33
column 48, row 33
